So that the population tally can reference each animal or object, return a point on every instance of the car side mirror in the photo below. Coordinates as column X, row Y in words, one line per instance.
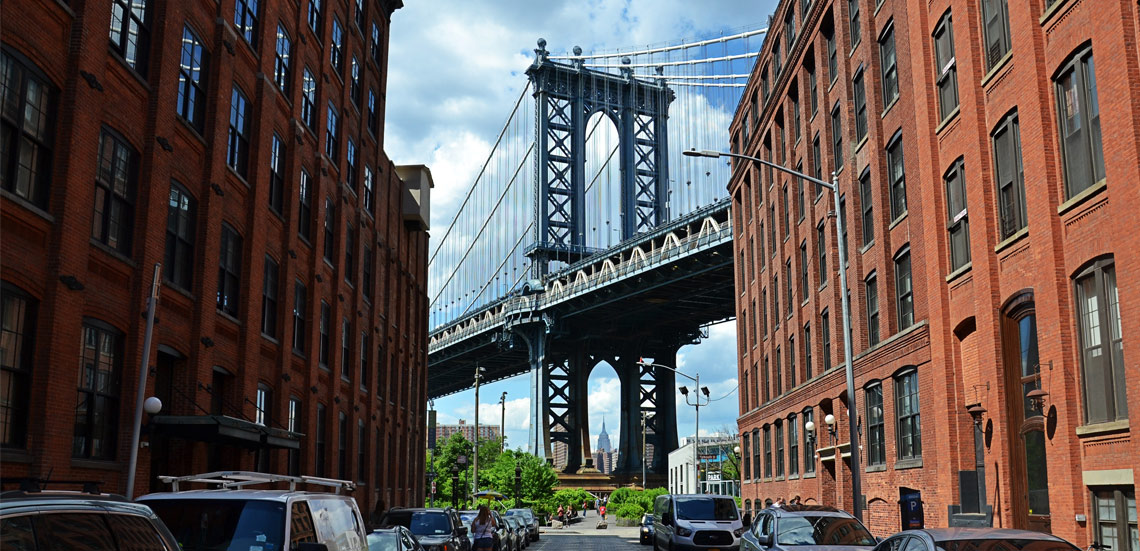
column 667, row 519
column 311, row 547
column 766, row 540
column 462, row 530
column 747, row 520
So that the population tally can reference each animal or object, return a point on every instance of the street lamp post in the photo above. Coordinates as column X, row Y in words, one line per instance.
column 697, row 420
column 455, row 486
column 644, row 483
column 833, row 186
column 518, row 484
column 503, row 422
column 475, row 472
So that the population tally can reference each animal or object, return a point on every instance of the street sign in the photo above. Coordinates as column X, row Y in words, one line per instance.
column 708, row 456
column 713, row 476
column 433, row 487
column 462, row 460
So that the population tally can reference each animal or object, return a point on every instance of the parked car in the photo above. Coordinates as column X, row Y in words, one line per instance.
column 436, row 529
column 522, row 533
column 696, row 521
column 806, row 528
column 231, row 516
column 32, row 519
column 503, row 540
column 531, row 520
column 509, row 537
column 963, row 539
column 396, row 538
column 646, row 529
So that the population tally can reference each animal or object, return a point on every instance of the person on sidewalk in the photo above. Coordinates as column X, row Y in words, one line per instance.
column 483, row 528
column 602, row 511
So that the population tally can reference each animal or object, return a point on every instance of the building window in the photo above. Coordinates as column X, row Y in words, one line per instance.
column 130, row 32
column 293, row 426
column 350, row 254
column 245, row 20
column 354, row 83
column 191, row 84
column 813, row 90
column 179, row 255
column 746, row 458
column 1010, row 179
column 821, row 251
column 300, row 306
column 836, row 138
column 277, row 174
column 262, row 404
column 843, row 230
column 237, row 149
column 764, row 312
column 359, row 20
column 342, row 447
column 909, row 441
column 790, row 27
column 807, row 352
column 229, row 271
column 269, row 299
column 801, row 207
column 376, row 43
column 792, row 378
column 809, row 440
column 315, row 17
column 305, row 207
column 366, row 262
column 364, row 348
column 876, row 445
column 793, row 446
column 373, row 118
column 853, row 13
column 868, row 204
column 350, row 164
column 777, row 369
column 946, row 72
column 26, row 120
column 360, row 447
column 309, row 100
column 872, row 286
column 832, row 60
column 904, row 292
column 825, row 341
column 779, row 450
column 97, row 413
column 995, row 15
column 803, row 270
column 330, row 210
column 345, row 350
column 860, row 106
column 326, row 319
column 336, row 48
column 764, row 386
column 958, row 223
column 784, row 204
column 788, row 284
column 17, row 350
column 283, row 59
column 1079, row 123
column 369, row 191
column 767, row 451
column 331, row 135
column 756, row 473
column 888, row 65
column 1102, row 345
column 1115, row 514
column 897, row 175
column 817, row 164
column 319, row 438
column 115, row 183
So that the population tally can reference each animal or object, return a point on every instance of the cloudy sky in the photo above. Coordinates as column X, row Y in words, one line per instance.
column 456, row 68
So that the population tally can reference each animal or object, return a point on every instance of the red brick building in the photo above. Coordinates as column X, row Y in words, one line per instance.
column 991, row 240
column 240, row 145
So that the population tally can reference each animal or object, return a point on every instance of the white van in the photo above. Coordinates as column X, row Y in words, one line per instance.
column 230, row 516
column 696, row 522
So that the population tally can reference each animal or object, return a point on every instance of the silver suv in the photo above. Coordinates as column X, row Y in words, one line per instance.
column 805, row 528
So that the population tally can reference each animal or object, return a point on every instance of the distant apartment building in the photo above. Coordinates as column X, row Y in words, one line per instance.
column 486, row 432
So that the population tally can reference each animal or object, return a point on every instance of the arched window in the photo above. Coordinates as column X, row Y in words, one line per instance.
column 17, row 349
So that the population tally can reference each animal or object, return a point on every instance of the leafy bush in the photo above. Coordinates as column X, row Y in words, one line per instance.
column 630, row 510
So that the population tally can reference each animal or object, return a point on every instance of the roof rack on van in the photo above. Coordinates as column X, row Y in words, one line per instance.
column 240, row 479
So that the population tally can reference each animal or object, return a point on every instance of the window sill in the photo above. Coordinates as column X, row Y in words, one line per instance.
column 1083, row 196
column 854, row 47
column 867, row 247
column 954, row 275
column 947, row 120
column 793, row 477
column 228, row 316
column 890, row 106
column 27, row 205
column 904, row 464
column 862, row 142
column 1049, row 13
column 997, row 68
column 809, row 475
column 15, row 456
column 111, row 251
column 778, row 479
column 1103, row 428
column 141, row 79
column 100, row 464
column 299, row 353
column 882, row 467
column 270, row 339
column 1017, row 236
column 804, row 303
column 897, row 221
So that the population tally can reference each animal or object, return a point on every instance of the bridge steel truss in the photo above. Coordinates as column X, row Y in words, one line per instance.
column 566, row 95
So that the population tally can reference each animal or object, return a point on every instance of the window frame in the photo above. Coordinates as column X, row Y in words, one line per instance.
column 29, row 183
column 1009, row 176
column 860, row 93
column 237, row 142
column 114, row 204
column 178, row 253
column 245, row 21
column 282, row 61
column 277, row 174
column 1112, row 391
column 995, row 20
column 837, row 136
column 325, row 321
column 904, row 289
column 946, row 66
column 300, row 309
column 888, row 64
column 305, row 206
column 127, row 15
column 336, row 48
column 871, row 288
column 908, row 420
column 896, row 174
column 867, row 202
column 309, row 99
column 855, row 28
column 958, row 221
column 270, row 291
column 1082, row 68
column 876, row 423
column 808, row 416
column 106, row 398
column 229, row 271
column 192, row 84
column 17, row 368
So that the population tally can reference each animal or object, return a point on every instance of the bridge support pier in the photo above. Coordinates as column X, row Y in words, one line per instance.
column 536, row 334
column 648, row 391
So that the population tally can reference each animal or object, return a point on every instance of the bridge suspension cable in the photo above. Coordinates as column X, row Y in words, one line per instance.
column 672, row 63
column 665, row 48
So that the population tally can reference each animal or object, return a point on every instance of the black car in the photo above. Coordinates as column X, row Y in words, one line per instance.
column 646, row 529
column 531, row 519
column 434, row 529
column 396, row 538
column 963, row 539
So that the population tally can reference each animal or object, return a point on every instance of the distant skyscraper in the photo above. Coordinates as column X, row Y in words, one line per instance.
column 604, row 439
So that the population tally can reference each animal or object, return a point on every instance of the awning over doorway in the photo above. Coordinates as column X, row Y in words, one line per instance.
column 223, row 429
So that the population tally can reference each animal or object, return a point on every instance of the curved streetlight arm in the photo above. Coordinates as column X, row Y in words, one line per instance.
column 674, row 370
column 719, row 154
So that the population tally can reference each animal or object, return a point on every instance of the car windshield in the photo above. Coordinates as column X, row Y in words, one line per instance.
column 706, row 508
column 648, row 520
column 383, row 541
column 1004, row 545
column 223, row 524
column 421, row 523
column 523, row 513
column 822, row 530
column 468, row 516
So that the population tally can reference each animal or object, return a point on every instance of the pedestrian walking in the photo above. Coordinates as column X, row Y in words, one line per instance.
column 483, row 528
column 602, row 511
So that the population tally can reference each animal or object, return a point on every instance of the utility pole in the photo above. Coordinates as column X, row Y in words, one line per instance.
column 644, row 459
column 144, row 367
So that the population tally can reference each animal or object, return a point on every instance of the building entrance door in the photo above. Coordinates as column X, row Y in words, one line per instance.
column 1027, row 439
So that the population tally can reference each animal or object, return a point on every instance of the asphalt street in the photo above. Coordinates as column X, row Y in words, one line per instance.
column 584, row 536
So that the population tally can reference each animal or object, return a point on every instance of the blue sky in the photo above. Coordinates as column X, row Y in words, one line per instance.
column 455, row 70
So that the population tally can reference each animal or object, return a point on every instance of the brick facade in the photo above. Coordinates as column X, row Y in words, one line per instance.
column 963, row 343
column 208, row 361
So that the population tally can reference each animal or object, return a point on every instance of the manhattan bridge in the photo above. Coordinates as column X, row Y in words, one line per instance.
column 587, row 238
